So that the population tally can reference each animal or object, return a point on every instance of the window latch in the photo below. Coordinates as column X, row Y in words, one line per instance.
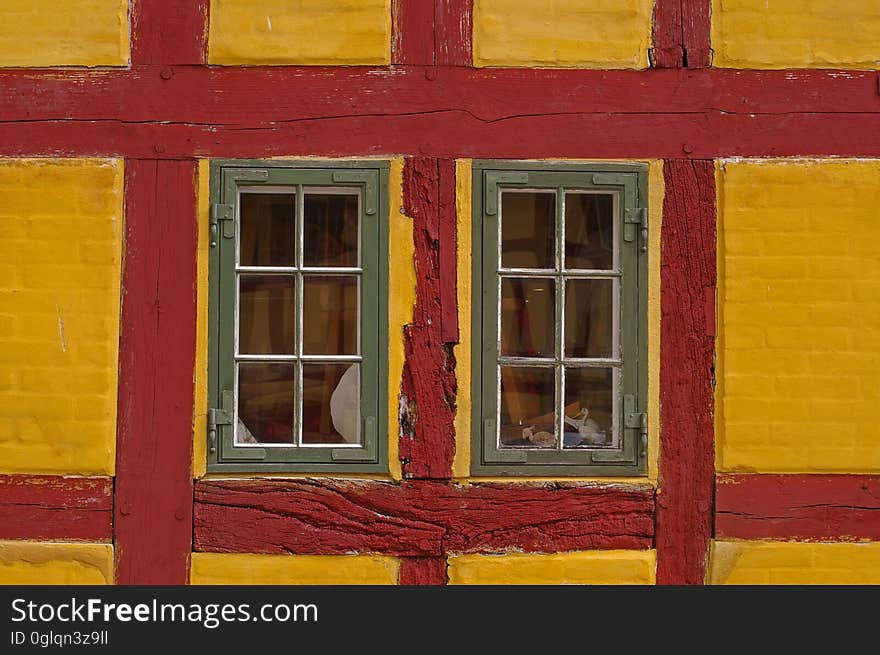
column 636, row 420
column 222, row 214
column 632, row 218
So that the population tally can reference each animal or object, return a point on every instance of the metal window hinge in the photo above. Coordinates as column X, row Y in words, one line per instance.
column 633, row 217
column 635, row 420
column 226, row 215
column 219, row 417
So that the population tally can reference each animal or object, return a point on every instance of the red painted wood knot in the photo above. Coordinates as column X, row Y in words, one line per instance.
column 159, row 148
column 166, row 73
column 431, row 73
column 688, row 148
column 125, row 509
column 179, row 514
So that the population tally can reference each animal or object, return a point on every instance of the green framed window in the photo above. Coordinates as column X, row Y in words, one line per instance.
column 298, row 316
column 559, row 318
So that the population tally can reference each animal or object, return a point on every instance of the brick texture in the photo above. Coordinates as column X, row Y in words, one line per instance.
column 313, row 32
column 795, row 33
column 564, row 33
column 792, row 563
column 59, row 314
column 800, row 337
column 43, row 33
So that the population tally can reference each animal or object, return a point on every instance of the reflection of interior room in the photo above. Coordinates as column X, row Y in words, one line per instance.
column 528, row 320
column 330, row 391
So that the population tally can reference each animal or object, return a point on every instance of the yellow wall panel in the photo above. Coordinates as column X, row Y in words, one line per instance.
column 25, row 562
column 309, row 32
column 799, row 346
column 59, row 314
column 562, row 33
column 793, row 563
column 46, row 33
column 246, row 569
column 607, row 567
column 795, row 33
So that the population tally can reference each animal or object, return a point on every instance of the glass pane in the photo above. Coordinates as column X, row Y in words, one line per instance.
column 528, row 317
column 589, row 415
column 268, row 226
column 330, row 233
column 589, row 318
column 528, row 230
column 330, row 315
column 265, row 403
column 528, row 417
column 589, row 231
column 266, row 315
column 331, row 404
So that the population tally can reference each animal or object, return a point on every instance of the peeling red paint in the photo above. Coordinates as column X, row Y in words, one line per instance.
column 56, row 507
column 797, row 506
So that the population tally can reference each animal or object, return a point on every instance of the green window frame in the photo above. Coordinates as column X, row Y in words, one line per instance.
column 368, row 180
column 626, row 452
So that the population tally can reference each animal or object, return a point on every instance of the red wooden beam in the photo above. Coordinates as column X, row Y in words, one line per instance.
column 422, row 519
column 453, row 25
column 169, row 33
column 805, row 507
column 687, row 262
column 423, row 571
column 153, row 513
column 461, row 113
column 224, row 95
column 56, row 507
column 681, row 33
column 427, row 445
column 413, row 32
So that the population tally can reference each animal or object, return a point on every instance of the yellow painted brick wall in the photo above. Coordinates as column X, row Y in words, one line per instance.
column 796, row 33
column 562, row 33
column 31, row 562
column 792, row 563
column 610, row 567
column 59, row 314
column 309, row 32
column 247, row 569
column 46, row 33
column 799, row 347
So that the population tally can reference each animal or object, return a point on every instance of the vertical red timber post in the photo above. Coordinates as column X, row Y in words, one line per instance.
column 687, row 335
column 681, row 34
column 154, row 491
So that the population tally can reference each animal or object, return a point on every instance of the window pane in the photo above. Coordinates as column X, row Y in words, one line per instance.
column 528, row 230
column 268, row 226
column 331, row 403
column 330, row 233
column 528, row 317
column 589, row 318
column 266, row 315
column 589, row 413
column 265, row 403
column 589, row 231
column 528, row 416
column 330, row 315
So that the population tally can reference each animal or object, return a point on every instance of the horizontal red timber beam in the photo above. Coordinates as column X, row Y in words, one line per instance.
column 417, row 518
column 442, row 112
column 56, row 507
column 805, row 507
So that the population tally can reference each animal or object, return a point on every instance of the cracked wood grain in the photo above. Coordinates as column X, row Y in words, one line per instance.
column 428, row 390
column 687, row 468
column 417, row 518
column 811, row 507
column 153, row 503
column 56, row 507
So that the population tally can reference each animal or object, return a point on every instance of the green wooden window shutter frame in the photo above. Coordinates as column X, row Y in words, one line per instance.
column 631, row 183
column 226, row 177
